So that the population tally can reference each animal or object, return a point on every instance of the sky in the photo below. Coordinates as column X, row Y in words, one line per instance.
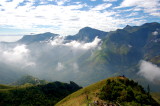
column 67, row 17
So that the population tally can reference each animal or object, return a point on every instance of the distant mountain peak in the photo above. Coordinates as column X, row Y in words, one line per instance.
column 27, row 39
column 128, row 27
column 47, row 33
column 86, row 28
column 87, row 34
column 151, row 24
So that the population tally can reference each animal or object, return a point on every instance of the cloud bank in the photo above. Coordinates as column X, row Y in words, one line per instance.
column 17, row 56
column 35, row 16
column 148, row 6
column 56, row 59
column 150, row 71
column 60, row 66
column 60, row 41
column 9, row 38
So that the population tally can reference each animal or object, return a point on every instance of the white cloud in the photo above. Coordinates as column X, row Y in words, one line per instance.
column 150, row 71
column 75, row 67
column 132, row 14
column 93, row 0
column 155, row 33
column 109, row 0
column 61, row 19
column 11, row 5
column 149, row 6
column 60, row 41
column 102, row 6
column 86, row 46
column 60, row 66
column 61, row 2
column 155, row 14
column 17, row 56
column 9, row 38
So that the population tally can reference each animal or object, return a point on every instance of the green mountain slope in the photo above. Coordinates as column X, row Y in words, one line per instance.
column 114, row 90
column 127, row 46
column 39, row 95
column 121, row 52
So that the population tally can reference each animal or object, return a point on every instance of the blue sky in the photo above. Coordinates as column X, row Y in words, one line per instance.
column 66, row 17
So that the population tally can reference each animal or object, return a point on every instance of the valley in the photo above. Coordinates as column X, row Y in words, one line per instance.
column 79, row 52
column 85, row 58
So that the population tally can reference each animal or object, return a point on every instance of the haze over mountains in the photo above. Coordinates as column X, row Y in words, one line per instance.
column 86, row 57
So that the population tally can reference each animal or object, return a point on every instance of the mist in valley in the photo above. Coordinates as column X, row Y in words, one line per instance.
column 54, row 59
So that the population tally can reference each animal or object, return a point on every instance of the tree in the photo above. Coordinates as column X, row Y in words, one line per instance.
column 148, row 92
column 148, row 89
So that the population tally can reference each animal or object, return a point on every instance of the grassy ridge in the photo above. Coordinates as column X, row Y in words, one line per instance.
column 156, row 96
column 93, row 93
column 5, row 86
column 79, row 98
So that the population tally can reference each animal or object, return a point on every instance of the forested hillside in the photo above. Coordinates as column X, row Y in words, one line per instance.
column 39, row 95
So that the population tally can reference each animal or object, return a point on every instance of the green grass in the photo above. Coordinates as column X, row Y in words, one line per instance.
column 156, row 96
column 91, row 93
column 79, row 98
column 5, row 86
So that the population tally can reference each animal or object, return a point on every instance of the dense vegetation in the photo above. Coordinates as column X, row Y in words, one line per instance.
column 39, row 95
column 126, row 92
column 115, row 90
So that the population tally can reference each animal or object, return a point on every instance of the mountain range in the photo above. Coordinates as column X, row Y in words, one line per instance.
column 87, row 34
column 86, row 59
column 27, row 39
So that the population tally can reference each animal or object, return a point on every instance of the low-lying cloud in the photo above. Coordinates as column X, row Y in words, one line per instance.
column 60, row 66
column 60, row 41
column 155, row 33
column 56, row 59
column 6, row 38
column 16, row 56
column 149, row 71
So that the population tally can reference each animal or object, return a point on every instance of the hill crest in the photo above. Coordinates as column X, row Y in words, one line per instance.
column 94, row 94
